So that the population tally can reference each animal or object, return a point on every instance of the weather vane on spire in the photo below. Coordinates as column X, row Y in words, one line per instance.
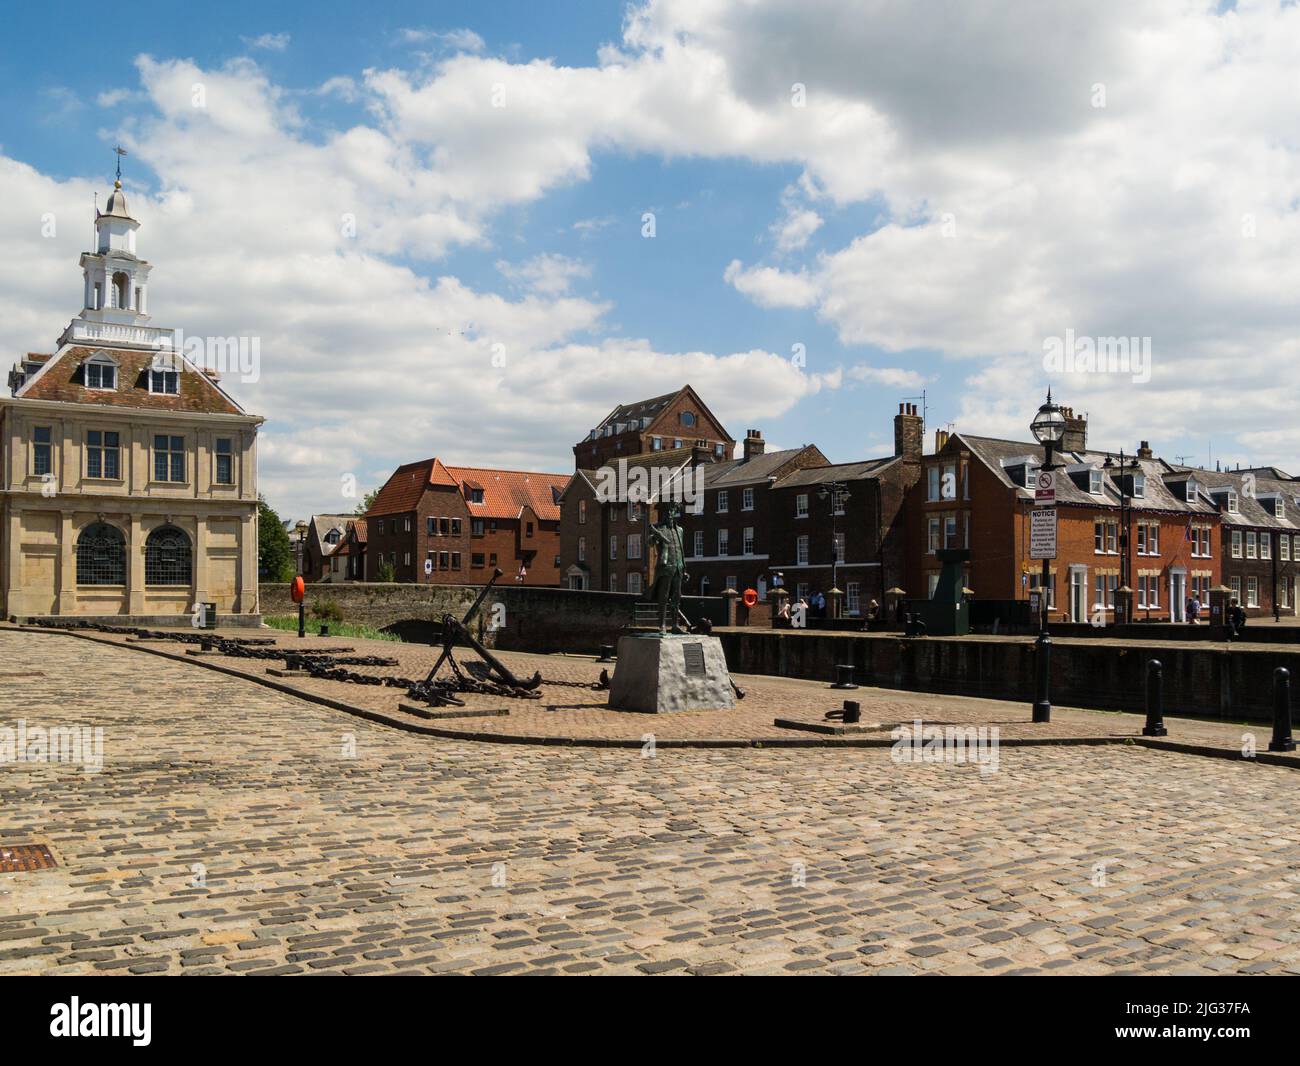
column 120, row 153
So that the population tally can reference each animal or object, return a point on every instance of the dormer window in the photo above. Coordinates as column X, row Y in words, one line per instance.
column 1225, row 496
column 1191, row 488
column 100, row 372
column 1138, row 486
column 164, row 378
column 475, row 495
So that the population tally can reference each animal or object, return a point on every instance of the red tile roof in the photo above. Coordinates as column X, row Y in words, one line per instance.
column 505, row 492
column 61, row 379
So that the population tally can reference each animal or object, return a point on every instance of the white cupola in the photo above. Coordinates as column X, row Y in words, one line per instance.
column 116, row 279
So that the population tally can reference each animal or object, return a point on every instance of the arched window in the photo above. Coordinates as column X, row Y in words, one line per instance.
column 101, row 555
column 121, row 290
column 167, row 557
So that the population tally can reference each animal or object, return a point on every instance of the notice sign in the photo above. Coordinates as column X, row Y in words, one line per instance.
column 1045, row 492
column 1042, row 534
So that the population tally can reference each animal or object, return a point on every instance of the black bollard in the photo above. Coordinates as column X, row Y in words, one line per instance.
column 1155, row 726
column 852, row 711
column 324, row 629
column 606, row 653
column 844, row 676
column 1282, row 739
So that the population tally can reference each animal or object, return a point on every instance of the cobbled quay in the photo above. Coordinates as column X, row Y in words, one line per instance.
column 233, row 830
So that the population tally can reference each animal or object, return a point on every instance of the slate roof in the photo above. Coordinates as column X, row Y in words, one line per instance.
column 1250, row 510
column 748, row 471
column 819, row 475
column 993, row 452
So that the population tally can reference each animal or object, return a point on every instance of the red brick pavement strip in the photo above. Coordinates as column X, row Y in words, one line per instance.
column 570, row 715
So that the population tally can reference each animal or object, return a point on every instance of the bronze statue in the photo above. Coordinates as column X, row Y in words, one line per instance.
column 670, row 570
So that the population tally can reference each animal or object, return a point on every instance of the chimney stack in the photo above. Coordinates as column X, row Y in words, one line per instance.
column 1144, row 449
column 753, row 443
column 940, row 439
column 1075, row 438
column 908, row 431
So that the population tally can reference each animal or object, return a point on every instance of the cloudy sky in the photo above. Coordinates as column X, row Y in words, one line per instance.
column 468, row 230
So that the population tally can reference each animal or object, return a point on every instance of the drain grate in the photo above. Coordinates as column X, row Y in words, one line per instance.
column 24, row 858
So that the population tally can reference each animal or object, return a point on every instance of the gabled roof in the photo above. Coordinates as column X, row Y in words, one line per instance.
column 505, row 492
column 321, row 524
column 652, row 408
column 60, row 379
column 759, row 469
column 358, row 531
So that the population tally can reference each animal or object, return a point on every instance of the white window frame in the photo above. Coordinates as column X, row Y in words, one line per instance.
column 724, row 542
column 801, row 550
column 747, row 499
column 801, row 505
column 724, row 502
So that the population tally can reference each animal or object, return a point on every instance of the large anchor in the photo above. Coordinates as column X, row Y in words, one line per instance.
column 454, row 630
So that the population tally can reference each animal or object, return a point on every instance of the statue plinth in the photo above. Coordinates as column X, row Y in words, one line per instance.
column 661, row 673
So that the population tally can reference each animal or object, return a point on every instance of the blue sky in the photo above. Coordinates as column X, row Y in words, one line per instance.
column 944, row 211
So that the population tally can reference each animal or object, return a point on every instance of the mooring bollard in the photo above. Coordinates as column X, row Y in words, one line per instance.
column 1282, row 739
column 606, row 653
column 852, row 711
column 844, row 676
column 1155, row 726
column 324, row 629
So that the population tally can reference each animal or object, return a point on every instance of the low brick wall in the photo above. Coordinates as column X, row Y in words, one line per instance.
column 535, row 619
column 1206, row 682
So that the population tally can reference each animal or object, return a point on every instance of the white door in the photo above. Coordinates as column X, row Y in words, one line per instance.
column 1178, row 597
column 1078, row 595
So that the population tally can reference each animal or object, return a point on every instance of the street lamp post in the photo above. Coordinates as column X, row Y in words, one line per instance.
column 838, row 494
column 1048, row 428
column 1126, row 465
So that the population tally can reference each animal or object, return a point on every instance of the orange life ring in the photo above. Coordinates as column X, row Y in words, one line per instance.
column 750, row 597
column 297, row 589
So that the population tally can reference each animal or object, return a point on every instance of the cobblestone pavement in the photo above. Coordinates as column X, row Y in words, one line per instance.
column 571, row 709
column 236, row 830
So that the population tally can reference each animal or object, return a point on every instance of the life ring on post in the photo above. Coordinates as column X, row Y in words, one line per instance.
column 749, row 598
column 297, row 589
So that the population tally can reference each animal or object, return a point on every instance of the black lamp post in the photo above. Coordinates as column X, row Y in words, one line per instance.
column 1126, row 467
column 1048, row 428
column 838, row 493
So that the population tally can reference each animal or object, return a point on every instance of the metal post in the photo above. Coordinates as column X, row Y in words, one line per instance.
column 1155, row 726
column 302, row 621
column 844, row 676
column 1043, row 646
column 1282, row 739
column 852, row 711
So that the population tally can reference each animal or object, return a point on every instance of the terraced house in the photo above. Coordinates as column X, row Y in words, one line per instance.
column 128, row 475
column 1121, row 519
column 1260, row 545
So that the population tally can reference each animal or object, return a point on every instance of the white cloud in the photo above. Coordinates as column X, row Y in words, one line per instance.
column 546, row 274
column 268, row 42
column 461, row 40
column 889, row 376
column 769, row 287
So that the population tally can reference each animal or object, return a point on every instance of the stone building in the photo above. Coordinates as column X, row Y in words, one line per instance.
column 128, row 475
column 464, row 521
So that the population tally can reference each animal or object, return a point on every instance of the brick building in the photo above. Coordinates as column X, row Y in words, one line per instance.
column 729, row 542
column 603, row 535
column 977, row 492
column 670, row 422
column 465, row 521
column 1260, row 542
